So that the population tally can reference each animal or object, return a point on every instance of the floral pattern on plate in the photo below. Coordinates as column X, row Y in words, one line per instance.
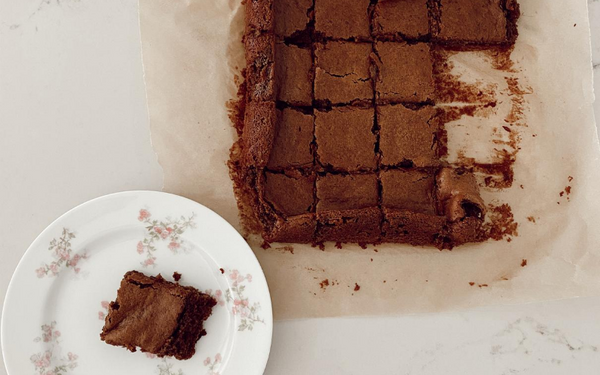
column 242, row 306
column 62, row 252
column 51, row 362
column 213, row 364
column 167, row 368
column 102, row 313
column 167, row 230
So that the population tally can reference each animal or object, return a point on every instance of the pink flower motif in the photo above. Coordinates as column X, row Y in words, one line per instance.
column 218, row 357
column 54, row 268
column 237, row 302
column 77, row 269
column 50, row 372
column 150, row 355
column 73, row 262
column 234, row 275
column 164, row 235
column 158, row 230
column 104, row 304
column 144, row 214
column 149, row 262
column 218, row 293
column 140, row 247
column 173, row 246
column 64, row 255
column 244, row 314
column 240, row 278
column 169, row 229
column 234, row 310
column 41, row 272
column 245, row 302
column 207, row 361
column 72, row 357
column 221, row 303
column 56, row 333
column 249, row 278
column 100, row 315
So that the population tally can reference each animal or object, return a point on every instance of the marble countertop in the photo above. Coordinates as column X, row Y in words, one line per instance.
column 74, row 126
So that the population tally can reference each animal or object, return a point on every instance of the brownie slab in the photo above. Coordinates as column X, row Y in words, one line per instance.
column 405, row 72
column 158, row 316
column 343, row 72
column 342, row 19
column 291, row 16
column 473, row 21
column 410, row 190
column 407, row 19
column 344, row 192
column 293, row 138
column 294, row 74
column 408, row 137
column 344, row 138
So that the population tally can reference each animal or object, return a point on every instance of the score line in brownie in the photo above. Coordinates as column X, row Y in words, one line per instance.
column 341, row 137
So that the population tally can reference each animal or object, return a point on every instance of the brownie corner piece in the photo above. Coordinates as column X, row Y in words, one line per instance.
column 157, row 316
column 295, row 229
column 481, row 22
column 259, row 15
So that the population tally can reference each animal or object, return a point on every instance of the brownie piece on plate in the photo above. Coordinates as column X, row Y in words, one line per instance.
column 343, row 72
column 158, row 316
column 405, row 72
column 345, row 140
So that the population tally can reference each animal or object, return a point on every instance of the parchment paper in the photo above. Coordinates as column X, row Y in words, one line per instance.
column 192, row 51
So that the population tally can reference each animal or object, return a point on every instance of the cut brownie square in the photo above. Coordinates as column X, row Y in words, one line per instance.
column 405, row 18
column 358, row 225
column 258, row 134
column 158, row 316
column 293, row 139
column 343, row 72
column 342, row 19
column 289, row 195
column 344, row 192
column 260, row 74
column 405, row 72
column 407, row 137
column 259, row 15
column 291, row 16
column 298, row 229
column 293, row 71
column 472, row 21
column 345, row 140
column 414, row 228
column 410, row 190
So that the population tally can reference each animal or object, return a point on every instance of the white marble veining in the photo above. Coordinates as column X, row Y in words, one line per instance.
column 73, row 125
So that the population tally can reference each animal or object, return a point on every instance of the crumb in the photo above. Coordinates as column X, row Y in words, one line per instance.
column 506, row 128
column 338, row 245
column 568, row 190
column 426, row 281
column 289, row 249
column 504, row 278
column 575, row 25
column 509, row 239
column 534, row 135
column 222, row 270
column 384, row 281
column 371, row 259
column 561, row 193
column 521, row 186
column 324, row 284
column 176, row 276
column 362, row 245
column 557, row 202
column 375, row 250
column 471, row 283
column 482, row 285
column 265, row 245
column 531, row 218
column 570, row 178
column 523, row 262
column 356, row 287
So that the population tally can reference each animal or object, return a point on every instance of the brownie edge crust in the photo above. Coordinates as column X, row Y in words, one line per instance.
column 157, row 316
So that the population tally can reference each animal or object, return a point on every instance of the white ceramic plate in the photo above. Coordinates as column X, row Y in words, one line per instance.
column 57, row 298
